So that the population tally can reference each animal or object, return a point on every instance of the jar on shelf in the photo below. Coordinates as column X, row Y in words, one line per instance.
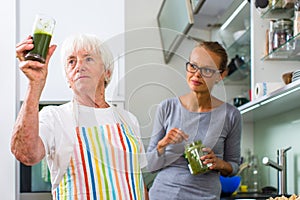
column 297, row 18
column 277, row 3
column 283, row 32
column 282, row 3
column 271, row 37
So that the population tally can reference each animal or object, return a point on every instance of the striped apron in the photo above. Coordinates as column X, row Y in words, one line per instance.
column 104, row 165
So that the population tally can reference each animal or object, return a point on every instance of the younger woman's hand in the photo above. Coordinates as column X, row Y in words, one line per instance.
column 174, row 136
column 209, row 158
column 216, row 163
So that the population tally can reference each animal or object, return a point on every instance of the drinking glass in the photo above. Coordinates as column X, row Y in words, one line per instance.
column 42, row 33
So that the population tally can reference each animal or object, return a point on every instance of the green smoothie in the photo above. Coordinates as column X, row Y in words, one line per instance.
column 41, row 43
column 192, row 153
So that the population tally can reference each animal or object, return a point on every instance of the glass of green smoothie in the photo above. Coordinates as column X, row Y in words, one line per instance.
column 42, row 34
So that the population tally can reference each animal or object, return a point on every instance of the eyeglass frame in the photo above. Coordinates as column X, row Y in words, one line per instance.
column 201, row 68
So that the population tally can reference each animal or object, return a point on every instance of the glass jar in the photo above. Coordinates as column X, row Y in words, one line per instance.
column 277, row 3
column 282, row 33
column 297, row 18
column 193, row 153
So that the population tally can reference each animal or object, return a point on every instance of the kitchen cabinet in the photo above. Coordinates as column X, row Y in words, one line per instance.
column 241, row 48
column 283, row 99
column 264, row 68
column 268, row 121
column 235, row 35
column 251, row 45
column 277, row 12
column 272, row 120
column 270, row 67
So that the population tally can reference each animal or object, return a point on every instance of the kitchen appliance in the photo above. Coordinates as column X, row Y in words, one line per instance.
column 238, row 101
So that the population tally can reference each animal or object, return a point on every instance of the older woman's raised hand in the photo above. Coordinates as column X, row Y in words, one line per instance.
column 35, row 71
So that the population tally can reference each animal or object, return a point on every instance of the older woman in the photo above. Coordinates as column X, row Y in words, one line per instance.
column 195, row 116
column 93, row 150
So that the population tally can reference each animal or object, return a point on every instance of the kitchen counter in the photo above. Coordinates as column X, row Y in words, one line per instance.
column 249, row 195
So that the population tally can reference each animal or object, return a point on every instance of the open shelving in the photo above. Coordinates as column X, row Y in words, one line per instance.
column 283, row 100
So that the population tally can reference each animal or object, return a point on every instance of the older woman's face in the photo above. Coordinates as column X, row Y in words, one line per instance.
column 207, row 59
column 85, row 71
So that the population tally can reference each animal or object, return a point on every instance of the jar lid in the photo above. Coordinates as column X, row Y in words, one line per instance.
column 195, row 143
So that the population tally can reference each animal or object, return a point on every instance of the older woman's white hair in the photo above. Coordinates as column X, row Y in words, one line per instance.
column 89, row 43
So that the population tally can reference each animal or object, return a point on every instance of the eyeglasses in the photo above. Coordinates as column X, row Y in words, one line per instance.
column 204, row 71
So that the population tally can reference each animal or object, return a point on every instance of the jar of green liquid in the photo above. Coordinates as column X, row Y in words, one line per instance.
column 192, row 153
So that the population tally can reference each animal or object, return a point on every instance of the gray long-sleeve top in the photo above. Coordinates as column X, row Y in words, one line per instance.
column 219, row 129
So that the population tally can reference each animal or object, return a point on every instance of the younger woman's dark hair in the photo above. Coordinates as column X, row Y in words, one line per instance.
column 218, row 49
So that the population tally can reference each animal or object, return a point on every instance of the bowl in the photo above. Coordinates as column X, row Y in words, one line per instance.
column 238, row 101
column 229, row 185
column 287, row 77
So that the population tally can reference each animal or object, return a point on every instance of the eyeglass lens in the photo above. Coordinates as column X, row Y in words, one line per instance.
column 206, row 72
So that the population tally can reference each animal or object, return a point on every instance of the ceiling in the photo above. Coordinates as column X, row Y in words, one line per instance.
column 210, row 13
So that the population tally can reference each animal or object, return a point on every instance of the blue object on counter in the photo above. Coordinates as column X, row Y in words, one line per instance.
column 229, row 184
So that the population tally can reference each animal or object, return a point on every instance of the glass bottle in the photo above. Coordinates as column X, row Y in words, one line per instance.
column 254, row 182
column 245, row 174
column 297, row 17
column 271, row 36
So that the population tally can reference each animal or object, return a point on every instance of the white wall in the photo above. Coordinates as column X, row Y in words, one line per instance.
column 148, row 79
column 100, row 17
column 280, row 132
column 8, row 100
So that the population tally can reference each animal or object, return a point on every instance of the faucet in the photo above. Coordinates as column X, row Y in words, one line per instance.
column 281, row 168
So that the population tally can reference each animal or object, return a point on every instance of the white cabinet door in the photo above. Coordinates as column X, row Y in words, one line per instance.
column 101, row 17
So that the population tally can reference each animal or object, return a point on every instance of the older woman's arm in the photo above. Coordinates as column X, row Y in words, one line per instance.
column 26, row 143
